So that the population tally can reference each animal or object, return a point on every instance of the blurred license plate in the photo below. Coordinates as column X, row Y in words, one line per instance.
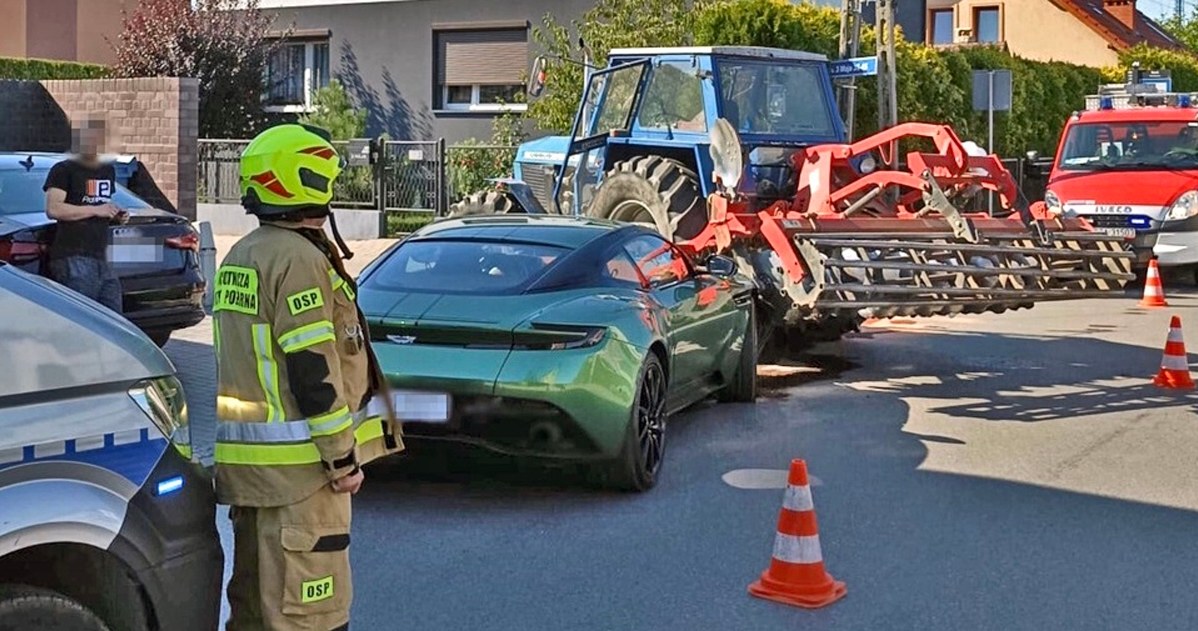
column 140, row 251
column 421, row 407
column 1127, row 233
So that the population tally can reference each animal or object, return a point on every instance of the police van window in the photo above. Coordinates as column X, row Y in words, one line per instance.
column 21, row 192
column 674, row 99
column 1130, row 145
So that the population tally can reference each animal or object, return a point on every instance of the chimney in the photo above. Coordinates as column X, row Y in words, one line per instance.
column 1122, row 10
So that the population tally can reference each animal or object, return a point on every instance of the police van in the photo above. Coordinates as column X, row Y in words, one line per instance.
column 106, row 523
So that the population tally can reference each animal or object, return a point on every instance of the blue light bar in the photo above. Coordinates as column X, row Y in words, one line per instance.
column 1139, row 222
column 169, row 485
column 1106, row 103
column 1183, row 100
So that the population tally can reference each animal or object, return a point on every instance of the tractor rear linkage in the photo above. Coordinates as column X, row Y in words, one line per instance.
column 904, row 221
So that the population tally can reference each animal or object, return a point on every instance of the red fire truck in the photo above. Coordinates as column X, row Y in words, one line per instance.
column 1129, row 164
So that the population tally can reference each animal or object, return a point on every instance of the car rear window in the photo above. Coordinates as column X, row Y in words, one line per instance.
column 464, row 267
column 21, row 192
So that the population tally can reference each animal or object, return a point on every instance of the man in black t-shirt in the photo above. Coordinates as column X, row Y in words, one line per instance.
column 79, row 198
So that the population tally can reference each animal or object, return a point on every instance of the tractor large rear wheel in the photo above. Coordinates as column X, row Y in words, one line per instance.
column 490, row 202
column 653, row 191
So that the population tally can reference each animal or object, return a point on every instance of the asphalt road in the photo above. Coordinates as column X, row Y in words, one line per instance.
column 1013, row 471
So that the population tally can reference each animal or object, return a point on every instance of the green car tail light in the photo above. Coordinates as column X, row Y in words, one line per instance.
column 163, row 401
column 557, row 337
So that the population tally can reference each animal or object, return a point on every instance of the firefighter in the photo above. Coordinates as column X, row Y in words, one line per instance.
column 301, row 402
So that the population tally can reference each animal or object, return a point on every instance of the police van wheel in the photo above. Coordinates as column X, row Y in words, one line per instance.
column 23, row 608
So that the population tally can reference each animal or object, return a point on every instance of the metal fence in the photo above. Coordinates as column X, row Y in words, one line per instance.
column 407, row 177
column 412, row 178
column 218, row 174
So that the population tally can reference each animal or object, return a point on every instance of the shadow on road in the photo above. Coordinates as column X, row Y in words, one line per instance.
column 933, row 550
column 1035, row 378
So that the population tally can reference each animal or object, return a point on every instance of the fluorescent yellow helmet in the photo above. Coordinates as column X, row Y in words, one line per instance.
column 287, row 168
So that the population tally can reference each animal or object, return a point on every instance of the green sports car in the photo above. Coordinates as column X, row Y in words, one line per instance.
column 557, row 337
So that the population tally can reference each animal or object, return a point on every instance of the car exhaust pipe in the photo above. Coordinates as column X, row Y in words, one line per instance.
column 545, row 433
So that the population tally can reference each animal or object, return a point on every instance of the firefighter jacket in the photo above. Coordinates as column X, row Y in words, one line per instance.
column 300, row 399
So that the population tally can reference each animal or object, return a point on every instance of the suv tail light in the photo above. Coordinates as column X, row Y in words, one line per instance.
column 18, row 252
column 189, row 241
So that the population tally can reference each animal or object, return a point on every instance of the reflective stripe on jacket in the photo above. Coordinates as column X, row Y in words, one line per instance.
column 293, row 377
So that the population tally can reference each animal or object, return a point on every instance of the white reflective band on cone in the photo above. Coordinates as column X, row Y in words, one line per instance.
column 1174, row 362
column 798, row 498
column 1174, row 336
column 792, row 549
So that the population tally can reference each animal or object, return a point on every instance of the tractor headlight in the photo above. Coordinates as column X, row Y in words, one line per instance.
column 1053, row 202
column 1185, row 207
column 868, row 165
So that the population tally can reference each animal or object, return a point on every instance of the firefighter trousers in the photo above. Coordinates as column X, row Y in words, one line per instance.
column 291, row 565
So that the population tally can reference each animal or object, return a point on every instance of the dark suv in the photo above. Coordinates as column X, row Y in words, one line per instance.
column 155, row 253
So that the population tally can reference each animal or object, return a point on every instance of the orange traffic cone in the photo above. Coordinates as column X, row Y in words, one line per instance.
column 1154, row 292
column 796, row 575
column 1175, row 364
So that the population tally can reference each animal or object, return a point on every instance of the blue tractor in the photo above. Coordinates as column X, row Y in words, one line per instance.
column 642, row 136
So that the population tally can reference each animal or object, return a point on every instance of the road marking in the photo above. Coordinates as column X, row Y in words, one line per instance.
column 757, row 479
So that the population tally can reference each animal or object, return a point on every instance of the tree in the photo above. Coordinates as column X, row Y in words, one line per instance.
column 610, row 24
column 225, row 44
column 1184, row 28
column 334, row 111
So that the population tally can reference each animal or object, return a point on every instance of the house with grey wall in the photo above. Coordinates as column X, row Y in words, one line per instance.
column 422, row 69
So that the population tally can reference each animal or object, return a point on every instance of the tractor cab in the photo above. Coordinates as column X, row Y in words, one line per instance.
column 650, row 112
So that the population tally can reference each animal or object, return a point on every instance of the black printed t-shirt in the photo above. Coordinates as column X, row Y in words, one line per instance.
column 84, row 186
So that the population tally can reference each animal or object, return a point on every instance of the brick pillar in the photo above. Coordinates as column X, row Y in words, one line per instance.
column 157, row 119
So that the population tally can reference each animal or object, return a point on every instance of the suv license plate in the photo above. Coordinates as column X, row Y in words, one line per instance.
column 1127, row 233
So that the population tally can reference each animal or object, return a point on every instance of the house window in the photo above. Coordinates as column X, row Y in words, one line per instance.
column 940, row 27
column 986, row 25
column 294, row 72
column 481, row 69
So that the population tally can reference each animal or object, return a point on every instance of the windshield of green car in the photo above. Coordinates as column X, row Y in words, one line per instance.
column 1131, row 145
column 21, row 192
column 464, row 267
column 769, row 97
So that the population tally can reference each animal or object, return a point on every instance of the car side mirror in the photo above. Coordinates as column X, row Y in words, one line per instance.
column 719, row 265
column 537, row 77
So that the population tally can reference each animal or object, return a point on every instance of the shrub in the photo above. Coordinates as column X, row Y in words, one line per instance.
column 473, row 162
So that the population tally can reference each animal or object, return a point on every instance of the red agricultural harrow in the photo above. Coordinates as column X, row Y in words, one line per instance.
column 856, row 240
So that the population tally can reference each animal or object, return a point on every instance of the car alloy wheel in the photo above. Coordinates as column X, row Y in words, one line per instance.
column 651, row 418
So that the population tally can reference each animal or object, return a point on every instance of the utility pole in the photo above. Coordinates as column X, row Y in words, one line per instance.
column 887, row 71
column 1179, row 9
column 850, row 46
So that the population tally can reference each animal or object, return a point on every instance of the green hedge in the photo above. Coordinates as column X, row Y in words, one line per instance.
column 1183, row 65
column 38, row 69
